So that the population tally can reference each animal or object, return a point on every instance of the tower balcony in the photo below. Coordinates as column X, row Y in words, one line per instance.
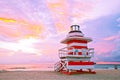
column 81, row 54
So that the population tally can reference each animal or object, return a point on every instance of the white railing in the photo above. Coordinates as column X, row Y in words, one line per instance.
column 91, row 52
column 64, row 52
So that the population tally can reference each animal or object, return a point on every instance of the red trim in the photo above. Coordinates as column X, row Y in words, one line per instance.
column 79, row 47
column 78, row 72
column 80, row 63
column 79, row 53
column 79, row 41
column 70, row 53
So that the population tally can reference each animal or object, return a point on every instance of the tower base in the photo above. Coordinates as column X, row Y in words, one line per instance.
column 78, row 72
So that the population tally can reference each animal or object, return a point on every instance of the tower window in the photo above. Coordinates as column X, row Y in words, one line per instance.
column 75, row 27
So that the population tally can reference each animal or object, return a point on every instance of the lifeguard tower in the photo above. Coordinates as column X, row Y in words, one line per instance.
column 76, row 56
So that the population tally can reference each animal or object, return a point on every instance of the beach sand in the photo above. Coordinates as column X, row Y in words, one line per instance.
column 51, row 75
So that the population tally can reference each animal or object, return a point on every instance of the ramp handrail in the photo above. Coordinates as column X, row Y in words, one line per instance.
column 59, row 66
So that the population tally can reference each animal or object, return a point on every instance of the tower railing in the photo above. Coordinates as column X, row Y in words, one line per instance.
column 63, row 52
column 91, row 51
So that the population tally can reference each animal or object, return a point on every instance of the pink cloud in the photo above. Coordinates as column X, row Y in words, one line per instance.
column 20, row 29
column 104, row 47
column 112, row 37
column 5, row 52
column 19, row 58
column 104, row 8
column 44, row 20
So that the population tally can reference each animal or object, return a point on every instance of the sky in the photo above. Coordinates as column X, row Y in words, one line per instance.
column 31, row 30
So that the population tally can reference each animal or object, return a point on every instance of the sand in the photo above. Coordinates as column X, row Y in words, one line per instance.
column 51, row 75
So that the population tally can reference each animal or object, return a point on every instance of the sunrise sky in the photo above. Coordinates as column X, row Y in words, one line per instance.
column 31, row 30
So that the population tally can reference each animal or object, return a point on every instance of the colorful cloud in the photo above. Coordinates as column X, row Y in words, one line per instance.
column 33, row 29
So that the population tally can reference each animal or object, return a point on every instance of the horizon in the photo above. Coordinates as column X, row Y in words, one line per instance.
column 102, row 62
column 31, row 30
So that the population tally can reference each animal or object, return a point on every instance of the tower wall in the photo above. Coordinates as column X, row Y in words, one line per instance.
column 77, row 55
column 78, row 45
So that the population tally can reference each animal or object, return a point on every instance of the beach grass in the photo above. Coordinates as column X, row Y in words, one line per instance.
column 51, row 75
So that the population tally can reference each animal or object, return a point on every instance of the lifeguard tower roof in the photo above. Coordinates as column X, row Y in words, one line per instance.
column 75, row 34
column 66, row 40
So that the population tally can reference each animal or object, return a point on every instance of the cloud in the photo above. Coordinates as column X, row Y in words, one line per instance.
column 47, row 22
column 7, row 20
column 104, row 47
column 112, row 37
column 118, row 20
column 19, row 58
column 108, row 48
column 114, row 55
column 57, row 16
column 24, row 45
column 5, row 52
column 104, row 8
column 19, row 29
